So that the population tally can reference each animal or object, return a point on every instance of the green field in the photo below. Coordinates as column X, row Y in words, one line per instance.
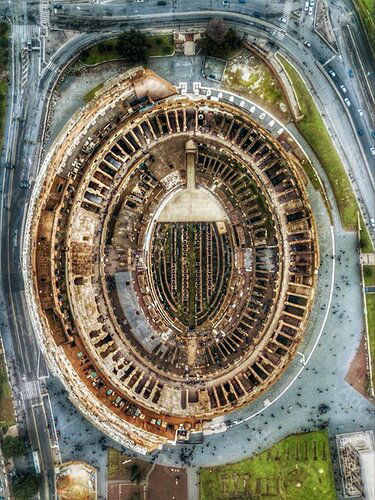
column 297, row 468
column 369, row 275
column 91, row 93
column 4, row 48
column 364, row 238
column 7, row 417
column 313, row 129
column 121, row 466
column 366, row 10
column 160, row 45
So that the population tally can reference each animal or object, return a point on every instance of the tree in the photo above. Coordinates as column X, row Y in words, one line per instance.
column 12, row 447
column 25, row 487
column 219, row 40
column 134, row 47
column 135, row 476
column 217, row 30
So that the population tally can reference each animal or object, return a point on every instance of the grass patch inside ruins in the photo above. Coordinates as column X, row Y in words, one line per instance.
column 91, row 93
column 247, row 74
column 298, row 467
column 313, row 129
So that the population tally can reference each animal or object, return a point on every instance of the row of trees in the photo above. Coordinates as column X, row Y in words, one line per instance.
column 219, row 41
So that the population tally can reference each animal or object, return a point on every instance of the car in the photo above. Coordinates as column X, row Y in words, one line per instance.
column 360, row 112
column 347, row 102
column 343, row 89
column 256, row 14
column 225, row 2
column 372, row 220
column 308, row 44
column 332, row 73
column 312, row 3
column 350, row 73
column 310, row 11
column 373, row 134
column 25, row 184
column 282, row 20
column 161, row 2
column 360, row 131
column 372, row 151
column 306, row 6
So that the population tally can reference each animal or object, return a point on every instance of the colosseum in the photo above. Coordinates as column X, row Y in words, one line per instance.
column 171, row 260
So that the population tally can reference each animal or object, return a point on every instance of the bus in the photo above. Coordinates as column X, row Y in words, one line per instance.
column 36, row 462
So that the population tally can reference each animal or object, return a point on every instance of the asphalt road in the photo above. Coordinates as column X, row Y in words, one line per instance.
column 31, row 82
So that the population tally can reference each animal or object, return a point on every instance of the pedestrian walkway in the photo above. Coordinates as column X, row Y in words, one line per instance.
column 368, row 259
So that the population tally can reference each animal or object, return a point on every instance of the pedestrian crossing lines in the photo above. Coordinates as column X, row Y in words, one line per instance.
column 288, row 4
column 31, row 389
column 44, row 13
column 287, row 9
column 24, row 68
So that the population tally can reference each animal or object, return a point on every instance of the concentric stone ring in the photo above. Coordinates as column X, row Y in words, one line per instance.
column 172, row 257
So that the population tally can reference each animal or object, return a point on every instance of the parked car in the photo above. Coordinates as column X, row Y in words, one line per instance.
column 347, row 102
column 343, row 89
column 360, row 112
column 308, row 44
column 332, row 73
column 372, row 151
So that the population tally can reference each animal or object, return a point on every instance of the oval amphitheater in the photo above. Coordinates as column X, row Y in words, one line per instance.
column 171, row 259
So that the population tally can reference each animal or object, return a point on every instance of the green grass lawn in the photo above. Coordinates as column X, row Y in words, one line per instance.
column 120, row 466
column 7, row 417
column 364, row 238
column 366, row 10
column 370, row 304
column 369, row 275
column 313, row 129
column 297, row 468
column 160, row 45
column 91, row 93
column 370, row 4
